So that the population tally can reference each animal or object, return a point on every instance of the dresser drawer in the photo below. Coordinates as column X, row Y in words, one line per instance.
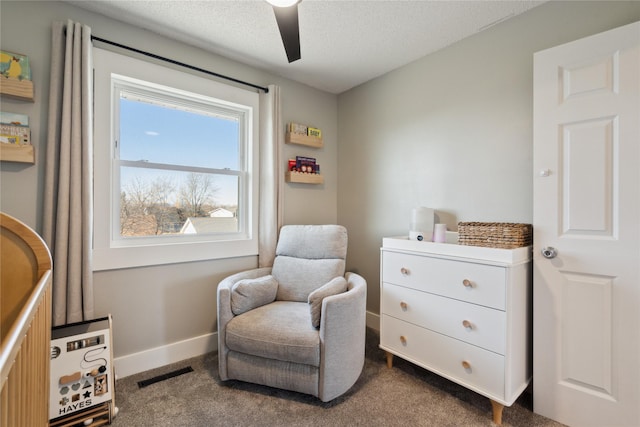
column 445, row 356
column 475, row 324
column 465, row 281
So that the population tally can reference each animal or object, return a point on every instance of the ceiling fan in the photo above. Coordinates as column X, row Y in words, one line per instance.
column 286, row 12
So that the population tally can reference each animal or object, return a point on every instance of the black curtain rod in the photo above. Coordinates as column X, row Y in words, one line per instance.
column 182, row 64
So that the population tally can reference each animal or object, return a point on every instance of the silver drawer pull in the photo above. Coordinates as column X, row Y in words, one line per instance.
column 404, row 271
column 467, row 324
column 403, row 305
column 467, row 283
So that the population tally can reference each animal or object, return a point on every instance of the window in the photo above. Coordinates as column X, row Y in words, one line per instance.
column 175, row 165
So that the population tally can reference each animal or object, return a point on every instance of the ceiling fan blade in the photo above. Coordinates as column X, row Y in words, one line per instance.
column 287, row 19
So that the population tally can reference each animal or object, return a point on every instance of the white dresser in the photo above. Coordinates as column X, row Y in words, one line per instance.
column 463, row 312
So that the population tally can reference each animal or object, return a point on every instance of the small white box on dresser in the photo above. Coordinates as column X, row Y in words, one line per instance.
column 463, row 312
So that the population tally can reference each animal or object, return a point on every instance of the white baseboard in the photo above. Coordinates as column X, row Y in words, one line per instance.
column 192, row 347
column 373, row 321
column 165, row 355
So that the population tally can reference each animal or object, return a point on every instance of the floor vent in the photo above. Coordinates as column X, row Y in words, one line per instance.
column 145, row 383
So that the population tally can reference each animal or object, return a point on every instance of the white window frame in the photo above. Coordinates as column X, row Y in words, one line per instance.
column 110, row 250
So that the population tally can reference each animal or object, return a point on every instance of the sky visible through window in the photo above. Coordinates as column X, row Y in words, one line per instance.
column 159, row 134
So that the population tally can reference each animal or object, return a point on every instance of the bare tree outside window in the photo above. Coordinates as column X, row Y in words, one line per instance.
column 135, row 204
column 196, row 193
column 158, row 206
column 147, row 207
column 162, row 191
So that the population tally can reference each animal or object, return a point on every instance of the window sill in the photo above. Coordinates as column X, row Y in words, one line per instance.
column 131, row 257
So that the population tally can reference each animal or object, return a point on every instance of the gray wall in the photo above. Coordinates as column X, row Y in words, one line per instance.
column 155, row 306
column 451, row 131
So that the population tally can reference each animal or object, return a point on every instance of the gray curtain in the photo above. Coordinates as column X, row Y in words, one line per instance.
column 271, row 175
column 68, row 197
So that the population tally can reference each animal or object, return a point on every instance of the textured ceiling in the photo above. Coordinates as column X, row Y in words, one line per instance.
column 343, row 43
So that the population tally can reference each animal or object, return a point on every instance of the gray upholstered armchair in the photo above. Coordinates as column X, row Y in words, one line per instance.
column 299, row 325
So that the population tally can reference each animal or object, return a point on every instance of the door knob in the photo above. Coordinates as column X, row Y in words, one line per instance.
column 549, row 252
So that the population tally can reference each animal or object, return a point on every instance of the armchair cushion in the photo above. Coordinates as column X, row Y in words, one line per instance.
column 307, row 257
column 298, row 277
column 335, row 286
column 279, row 331
column 247, row 294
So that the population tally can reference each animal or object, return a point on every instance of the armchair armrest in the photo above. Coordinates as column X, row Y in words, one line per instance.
column 342, row 338
column 225, row 314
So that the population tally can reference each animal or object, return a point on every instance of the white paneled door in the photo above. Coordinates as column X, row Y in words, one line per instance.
column 587, row 230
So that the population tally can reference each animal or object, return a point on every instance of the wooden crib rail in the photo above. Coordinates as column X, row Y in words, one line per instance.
column 25, row 309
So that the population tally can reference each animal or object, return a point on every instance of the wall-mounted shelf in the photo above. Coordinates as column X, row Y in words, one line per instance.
column 303, row 178
column 17, row 89
column 310, row 141
column 17, row 153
